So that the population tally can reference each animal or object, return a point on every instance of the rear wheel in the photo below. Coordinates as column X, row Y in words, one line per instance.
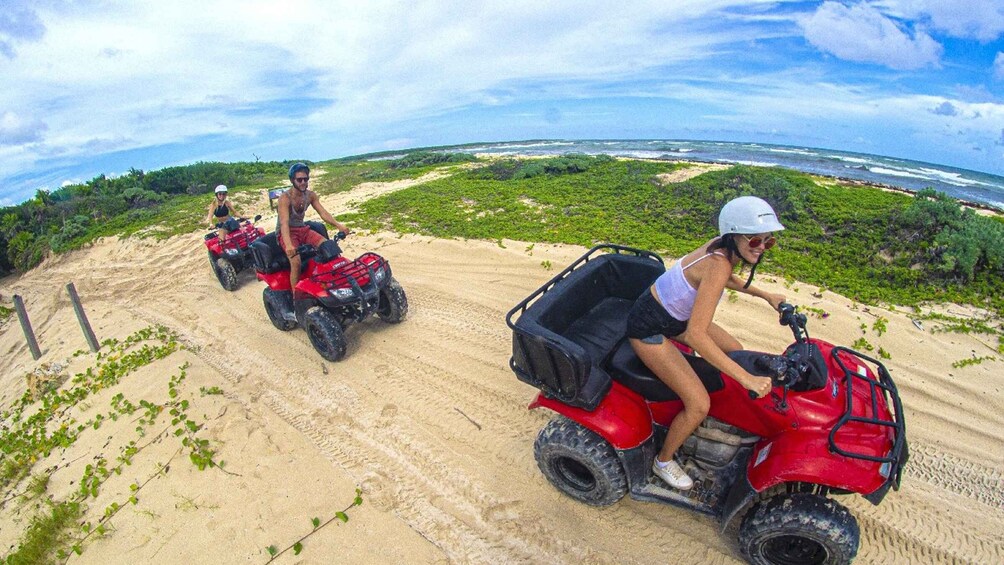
column 580, row 463
column 325, row 333
column 799, row 529
column 277, row 303
column 226, row 274
column 393, row 303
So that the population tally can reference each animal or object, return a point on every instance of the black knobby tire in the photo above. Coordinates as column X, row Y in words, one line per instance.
column 393, row 305
column 277, row 302
column 212, row 263
column 325, row 333
column 226, row 274
column 580, row 463
column 803, row 529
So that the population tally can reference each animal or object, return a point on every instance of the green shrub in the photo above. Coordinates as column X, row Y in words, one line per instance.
column 429, row 158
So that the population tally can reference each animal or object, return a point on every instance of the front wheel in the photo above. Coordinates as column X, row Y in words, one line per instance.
column 277, row 305
column 393, row 303
column 325, row 333
column 226, row 274
column 799, row 528
column 579, row 463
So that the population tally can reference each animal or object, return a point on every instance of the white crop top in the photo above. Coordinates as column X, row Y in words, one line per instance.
column 675, row 292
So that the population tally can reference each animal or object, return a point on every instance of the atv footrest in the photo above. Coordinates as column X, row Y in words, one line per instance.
column 656, row 491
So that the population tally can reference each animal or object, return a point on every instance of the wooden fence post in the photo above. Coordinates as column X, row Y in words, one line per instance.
column 22, row 316
column 85, row 326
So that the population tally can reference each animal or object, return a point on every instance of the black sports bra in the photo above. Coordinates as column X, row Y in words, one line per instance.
column 222, row 211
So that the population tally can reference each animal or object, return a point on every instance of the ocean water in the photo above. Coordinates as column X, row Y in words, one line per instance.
column 962, row 184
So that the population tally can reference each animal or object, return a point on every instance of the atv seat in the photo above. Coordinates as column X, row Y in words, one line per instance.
column 627, row 369
column 560, row 342
column 270, row 258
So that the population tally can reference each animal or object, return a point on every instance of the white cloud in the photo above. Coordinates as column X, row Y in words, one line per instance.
column 117, row 75
column 15, row 130
column 945, row 109
column 114, row 76
column 862, row 34
column 982, row 20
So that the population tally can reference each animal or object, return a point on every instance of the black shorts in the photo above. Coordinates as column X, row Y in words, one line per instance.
column 647, row 318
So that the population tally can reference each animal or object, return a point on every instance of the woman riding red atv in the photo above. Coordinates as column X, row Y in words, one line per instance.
column 681, row 305
column 832, row 425
column 222, row 213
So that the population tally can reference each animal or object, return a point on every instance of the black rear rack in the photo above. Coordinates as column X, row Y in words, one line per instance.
column 556, row 365
column 886, row 388
column 236, row 236
column 613, row 248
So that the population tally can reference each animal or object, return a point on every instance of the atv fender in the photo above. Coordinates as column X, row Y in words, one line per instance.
column 622, row 417
column 805, row 456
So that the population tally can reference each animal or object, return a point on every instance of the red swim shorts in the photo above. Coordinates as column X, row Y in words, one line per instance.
column 301, row 235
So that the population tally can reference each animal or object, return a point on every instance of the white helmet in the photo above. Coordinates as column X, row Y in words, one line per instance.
column 221, row 188
column 747, row 214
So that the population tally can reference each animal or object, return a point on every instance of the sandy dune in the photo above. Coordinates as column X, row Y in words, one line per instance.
column 428, row 420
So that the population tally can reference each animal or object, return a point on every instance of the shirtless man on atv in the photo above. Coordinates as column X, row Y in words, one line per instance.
column 293, row 231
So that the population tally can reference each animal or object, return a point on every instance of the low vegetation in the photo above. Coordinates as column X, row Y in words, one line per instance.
column 172, row 201
column 56, row 411
column 868, row 244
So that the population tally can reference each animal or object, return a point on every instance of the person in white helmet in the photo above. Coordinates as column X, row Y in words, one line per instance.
column 220, row 211
column 681, row 305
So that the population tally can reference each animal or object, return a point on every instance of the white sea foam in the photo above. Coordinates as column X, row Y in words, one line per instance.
column 954, row 178
column 897, row 173
column 795, row 152
column 856, row 160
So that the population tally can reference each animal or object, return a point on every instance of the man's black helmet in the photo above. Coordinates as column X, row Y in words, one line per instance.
column 297, row 168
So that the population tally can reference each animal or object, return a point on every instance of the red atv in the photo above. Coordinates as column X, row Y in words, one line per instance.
column 332, row 291
column 233, row 254
column 832, row 425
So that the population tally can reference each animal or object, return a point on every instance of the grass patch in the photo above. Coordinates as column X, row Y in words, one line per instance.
column 41, row 423
column 842, row 238
column 46, row 532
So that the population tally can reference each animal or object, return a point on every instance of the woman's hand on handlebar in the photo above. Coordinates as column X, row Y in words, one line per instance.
column 758, row 386
column 775, row 300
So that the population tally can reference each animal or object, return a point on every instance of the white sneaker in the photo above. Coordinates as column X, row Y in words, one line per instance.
column 673, row 475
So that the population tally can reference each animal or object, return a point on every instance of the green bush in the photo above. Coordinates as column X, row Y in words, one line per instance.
column 514, row 169
column 73, row 228
column 24, row 250
column 950, row 242
column 846, row 238
column 429, row 158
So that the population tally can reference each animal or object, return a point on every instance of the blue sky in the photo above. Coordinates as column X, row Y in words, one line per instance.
column 98, row 86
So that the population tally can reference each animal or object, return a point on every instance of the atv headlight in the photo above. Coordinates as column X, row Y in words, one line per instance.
column 232, row 252
column 379, row 275
column 342, row 293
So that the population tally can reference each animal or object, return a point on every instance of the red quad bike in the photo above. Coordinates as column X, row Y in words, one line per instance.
column 233, row 254
column 832, row 425
column 332, row 292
